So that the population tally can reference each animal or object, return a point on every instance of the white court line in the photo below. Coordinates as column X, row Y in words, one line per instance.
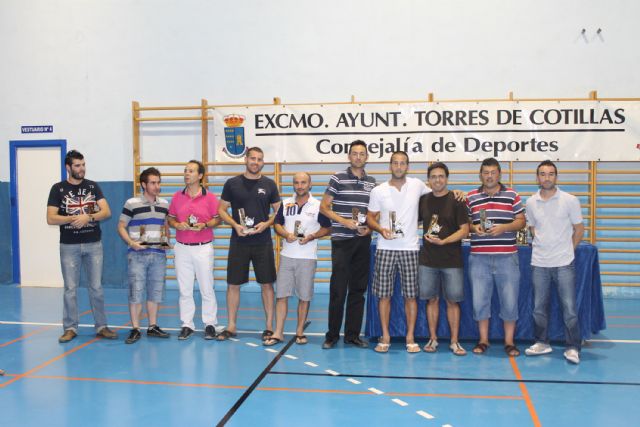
column 251, row 344
column 400, row 402
column 375, row 390
column 288, row 356
column 234, row 339
column 313, row 365
column 271, row 350
column 353, row 381
column 329, row 371
column 447, row 425
column 425, row 415
column 617, row 341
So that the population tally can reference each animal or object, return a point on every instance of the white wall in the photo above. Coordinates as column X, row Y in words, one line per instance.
column 78, row 64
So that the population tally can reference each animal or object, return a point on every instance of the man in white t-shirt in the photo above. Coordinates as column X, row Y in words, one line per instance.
column 299, row 223
column 393, row 213
column 555, row 218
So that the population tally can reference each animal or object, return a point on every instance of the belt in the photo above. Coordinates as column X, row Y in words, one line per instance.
column 196, row 244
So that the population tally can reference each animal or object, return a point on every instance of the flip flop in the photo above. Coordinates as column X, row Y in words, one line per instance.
column 382, row 347
column 457, row 349
column 511, row 350
column 301, row 339
column 225, row 335
column 266, row 334
column 271, row 341
column 480, row 348
column 413, row 347
column 431, row 346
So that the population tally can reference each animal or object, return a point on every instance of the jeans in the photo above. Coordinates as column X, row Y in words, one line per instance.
column 350, row 261
column 450, row 280
column 565, row 280
column 501, row 270
column 146, row 271
column 73, row 257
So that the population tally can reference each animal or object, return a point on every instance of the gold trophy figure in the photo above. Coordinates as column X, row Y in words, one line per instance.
column 192, row 220
column 485, row 223
column 521, row 236
column 434, row 228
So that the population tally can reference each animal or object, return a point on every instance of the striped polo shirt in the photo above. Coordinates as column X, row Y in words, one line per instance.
column 501, row 208
column 348, row 192
column 139, row 212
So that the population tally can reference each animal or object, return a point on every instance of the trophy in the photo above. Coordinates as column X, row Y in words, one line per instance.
column 144, row 240
column 359, row 217
column 192, row 220
column 394, row 226
column 246, row 221
column 91, row 208
column 485, row 223
column 143, row 235
column 298, row 230
column 434, row 228
column 521, row 236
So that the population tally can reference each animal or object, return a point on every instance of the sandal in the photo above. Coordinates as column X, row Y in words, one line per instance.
column 413, row 347
column 301, row 339
column 225, row 335
column 457, row 349
column 480, row 348
column 382, row 347
column 271, row 341
column 431, row 346
column 511, row 350
column 266, row 334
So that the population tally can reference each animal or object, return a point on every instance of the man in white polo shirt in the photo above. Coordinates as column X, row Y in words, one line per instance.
column 393, row 212
column 555, row 219
column 300, row 223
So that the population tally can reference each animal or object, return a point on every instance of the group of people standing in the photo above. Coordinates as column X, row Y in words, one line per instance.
column 352, row 207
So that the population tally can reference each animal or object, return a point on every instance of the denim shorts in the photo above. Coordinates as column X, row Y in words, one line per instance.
column 501, row 270
column 146, row 271
column 450, row 280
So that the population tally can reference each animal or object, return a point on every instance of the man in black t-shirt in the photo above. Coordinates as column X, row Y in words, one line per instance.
column 77, row 206
column 250, row 197
column 445, row 224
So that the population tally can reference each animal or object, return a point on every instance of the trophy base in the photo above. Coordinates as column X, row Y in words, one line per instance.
column 160, row 244
column 251, row 230
column 193, row 229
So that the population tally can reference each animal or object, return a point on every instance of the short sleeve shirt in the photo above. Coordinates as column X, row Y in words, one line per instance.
column 385, row 199
column 553, row 220
column 255, row 196
column 451, row 214
column 348, row 192
column 310, row 220
column 145, row 218
column 78, row 199
column 204, row 207
column 501, row 208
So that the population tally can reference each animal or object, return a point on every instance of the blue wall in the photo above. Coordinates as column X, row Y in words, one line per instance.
column 6, row 273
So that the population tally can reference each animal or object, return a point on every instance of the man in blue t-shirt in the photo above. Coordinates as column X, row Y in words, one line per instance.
column 77, row 206
column 250, row 196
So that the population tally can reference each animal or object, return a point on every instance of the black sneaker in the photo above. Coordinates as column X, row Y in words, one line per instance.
column 210, row 332
column 134, row 336
column 185, row 333
column 155, row 331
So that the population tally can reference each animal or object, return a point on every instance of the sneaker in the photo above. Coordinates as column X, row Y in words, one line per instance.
column 68, row 335
column 155, row 331
column 134, row 336
column 107, row 333
column 210, row 332
column 185, row 333
column 572, row 356
column 538, row 348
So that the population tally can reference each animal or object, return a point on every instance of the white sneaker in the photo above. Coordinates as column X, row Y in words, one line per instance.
column 572, row 356
column 538, row 348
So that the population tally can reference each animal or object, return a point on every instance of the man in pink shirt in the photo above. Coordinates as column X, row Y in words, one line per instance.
column 194, row 213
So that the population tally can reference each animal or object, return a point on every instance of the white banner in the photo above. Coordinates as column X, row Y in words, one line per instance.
column 454, row 131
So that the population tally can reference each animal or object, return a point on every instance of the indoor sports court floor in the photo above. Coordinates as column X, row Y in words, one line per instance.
column 95, row 382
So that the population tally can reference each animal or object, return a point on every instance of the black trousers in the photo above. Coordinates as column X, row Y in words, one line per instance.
column 350, row 261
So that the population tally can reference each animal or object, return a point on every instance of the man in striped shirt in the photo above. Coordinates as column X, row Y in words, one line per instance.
column 345, row 203
column 143, row 227
column 496, row 213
